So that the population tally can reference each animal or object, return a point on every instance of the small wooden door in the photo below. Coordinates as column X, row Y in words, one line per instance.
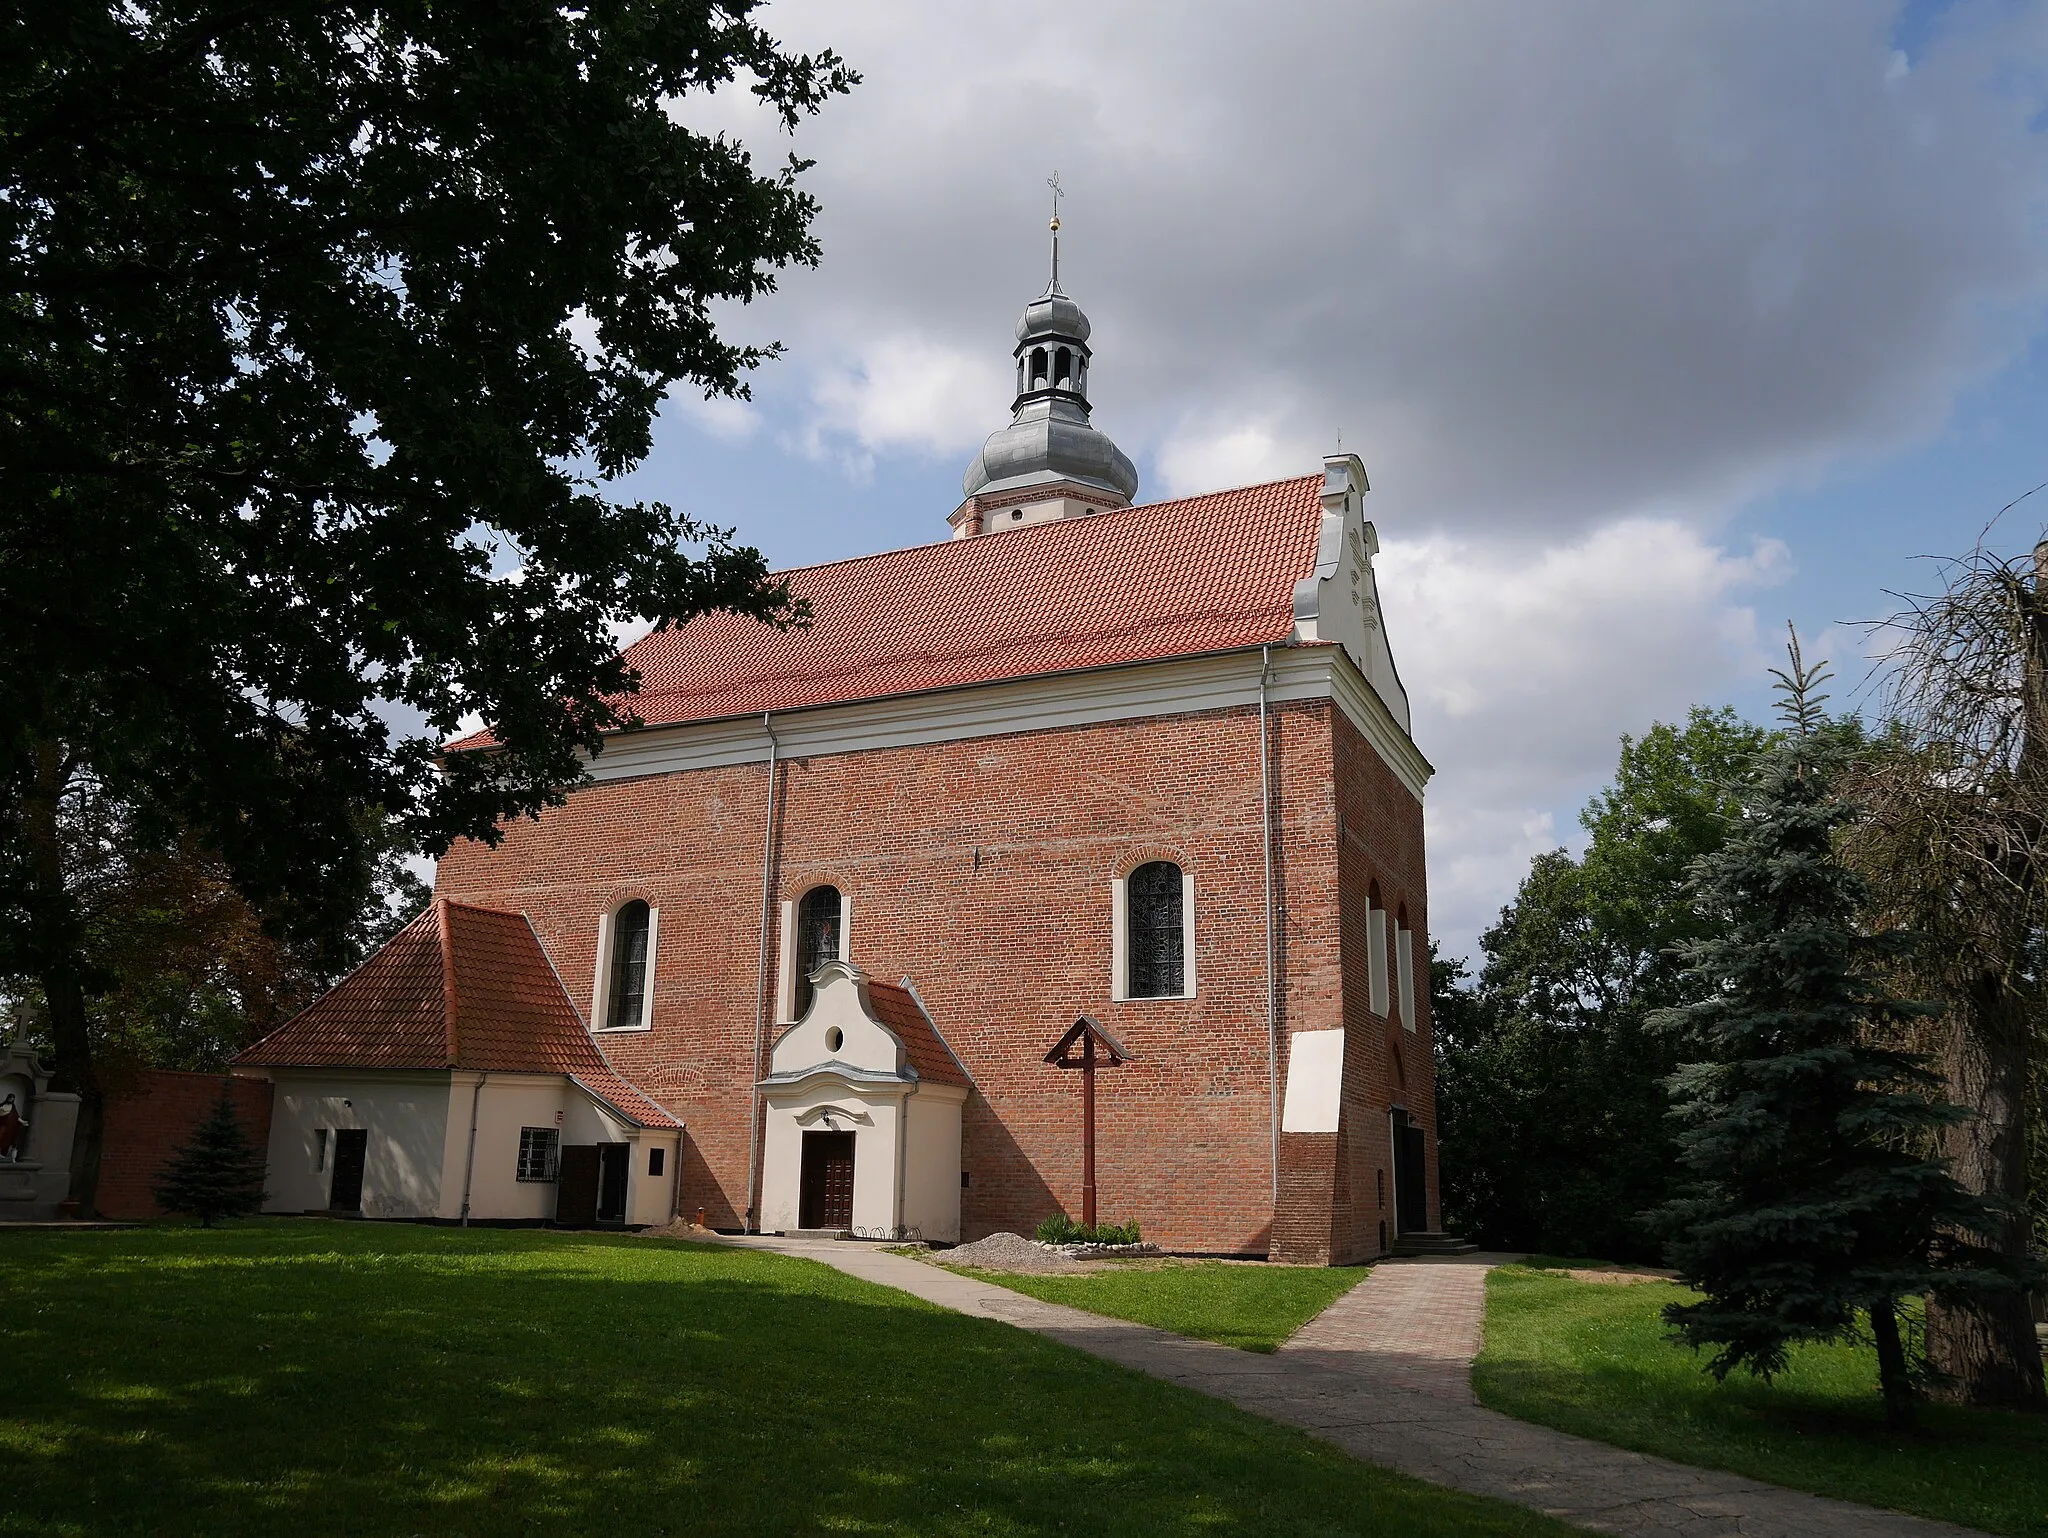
column 351, row 1150
column 612, row 1159
column 825, row 1195
column 1411, row 1181
column 576, row 1186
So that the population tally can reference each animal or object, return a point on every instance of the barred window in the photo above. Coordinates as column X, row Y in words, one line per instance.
column 1155, row 930
column 539, row 1148
column 817, row 939
column 629, row 967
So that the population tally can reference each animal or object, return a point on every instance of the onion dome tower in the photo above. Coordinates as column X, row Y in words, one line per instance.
column 1050, row 462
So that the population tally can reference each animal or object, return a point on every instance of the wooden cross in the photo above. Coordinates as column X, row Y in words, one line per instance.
column 1089, row 1034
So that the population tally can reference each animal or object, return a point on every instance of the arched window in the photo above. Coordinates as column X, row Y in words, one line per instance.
column 1063, row 369
column 1037, row 367
column 1156, row 933
column 627, row 1006
column 817, row 939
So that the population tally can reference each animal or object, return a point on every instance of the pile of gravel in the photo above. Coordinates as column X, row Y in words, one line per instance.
column 1008, row 1252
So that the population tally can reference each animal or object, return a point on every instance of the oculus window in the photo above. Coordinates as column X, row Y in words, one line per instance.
column 1156, row 931
column 819, row 930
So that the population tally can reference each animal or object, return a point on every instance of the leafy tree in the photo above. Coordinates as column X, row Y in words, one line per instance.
column 184, row 972
column 1556, row 1132
column 1956, row 848
column 1815, row 1198
column 325, row 329
column 219, row 1173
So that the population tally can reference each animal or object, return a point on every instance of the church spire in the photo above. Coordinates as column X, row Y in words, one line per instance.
column 1050, row 462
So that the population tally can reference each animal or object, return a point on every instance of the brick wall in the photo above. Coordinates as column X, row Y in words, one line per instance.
column 1380, row 829
column 152, row 1117
column 981, row 869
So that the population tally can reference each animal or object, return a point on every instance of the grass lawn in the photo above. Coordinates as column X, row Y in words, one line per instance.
column 1593, row 1358
column 1252, row 1307
column 314, row 1378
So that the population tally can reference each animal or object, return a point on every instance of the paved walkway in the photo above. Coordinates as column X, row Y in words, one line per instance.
column 1383, row 1374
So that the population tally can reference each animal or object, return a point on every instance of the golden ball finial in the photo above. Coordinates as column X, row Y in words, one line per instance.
column 1054, row 226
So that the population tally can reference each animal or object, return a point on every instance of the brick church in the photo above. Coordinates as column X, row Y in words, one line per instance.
column 827, row 911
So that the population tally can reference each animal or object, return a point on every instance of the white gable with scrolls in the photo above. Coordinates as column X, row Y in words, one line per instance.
column 1339, row 602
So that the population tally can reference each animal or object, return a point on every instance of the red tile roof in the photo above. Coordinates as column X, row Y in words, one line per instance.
column 897, row 1008
column 458, row 987
column 1208, row 573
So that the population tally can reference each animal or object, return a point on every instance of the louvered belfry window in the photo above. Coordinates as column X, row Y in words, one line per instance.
column 817, row 939
column 629, row 967
column 1158, row 969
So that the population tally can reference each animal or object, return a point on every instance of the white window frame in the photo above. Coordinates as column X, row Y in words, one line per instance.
column 1404, row 968
column 785, row 963
column 601, row 984
column 1376, row 959
column 1120, row 940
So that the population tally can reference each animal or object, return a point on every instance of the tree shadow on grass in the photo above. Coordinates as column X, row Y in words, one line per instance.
column 358, row 1379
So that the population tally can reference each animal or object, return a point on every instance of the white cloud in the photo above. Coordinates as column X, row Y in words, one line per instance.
column 907, row 391
column 1537, row 271
column 723, row 417
column 1524, row 666
column 1544, row 267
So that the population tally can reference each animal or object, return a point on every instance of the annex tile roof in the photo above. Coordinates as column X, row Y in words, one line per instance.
column 897, row 1008
column 1168, row 579
column 458, row 987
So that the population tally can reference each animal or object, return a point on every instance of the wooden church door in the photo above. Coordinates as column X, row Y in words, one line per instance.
column 825, row 1191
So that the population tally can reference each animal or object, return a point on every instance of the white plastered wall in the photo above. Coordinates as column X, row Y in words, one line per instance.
column 894, row 1150
column 1315, row 1082
column 1338, row 602
column 507, row 1103
column 870, row 1113
column 407, row 1117
column 931, row 1162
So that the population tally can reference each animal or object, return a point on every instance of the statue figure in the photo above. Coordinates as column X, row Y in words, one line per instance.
column 13, row 1130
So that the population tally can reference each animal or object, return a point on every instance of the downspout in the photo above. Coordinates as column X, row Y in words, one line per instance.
column 753, row 1216
column 476, row 1096
column 1272, row 963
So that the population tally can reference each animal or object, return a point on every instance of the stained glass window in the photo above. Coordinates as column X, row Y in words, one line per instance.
column 817, row 939
column 629, row 967
column 1154, row 934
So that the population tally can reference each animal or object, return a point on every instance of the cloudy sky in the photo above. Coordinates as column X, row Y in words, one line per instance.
column 1656, row 325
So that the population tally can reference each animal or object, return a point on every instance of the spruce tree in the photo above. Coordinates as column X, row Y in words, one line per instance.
column 1817, row 1204
column 218, row 1174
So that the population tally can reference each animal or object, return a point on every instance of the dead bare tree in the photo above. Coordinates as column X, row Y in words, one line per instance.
column 1956, row 847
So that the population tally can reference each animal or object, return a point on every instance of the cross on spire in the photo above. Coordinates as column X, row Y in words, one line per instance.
column 1058, row 192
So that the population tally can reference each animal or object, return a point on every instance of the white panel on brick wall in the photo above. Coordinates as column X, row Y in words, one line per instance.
column 1315, row 1081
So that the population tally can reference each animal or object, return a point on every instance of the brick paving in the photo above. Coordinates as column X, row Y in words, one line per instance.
column 1384, row 1375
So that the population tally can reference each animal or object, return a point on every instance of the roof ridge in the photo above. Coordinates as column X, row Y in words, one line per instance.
column 589, row 1035
column 341, row 982
column 1038, row 529
column 917, row 998
column 449, row 998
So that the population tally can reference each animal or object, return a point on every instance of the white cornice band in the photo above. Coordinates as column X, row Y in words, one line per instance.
column 1175, row 686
